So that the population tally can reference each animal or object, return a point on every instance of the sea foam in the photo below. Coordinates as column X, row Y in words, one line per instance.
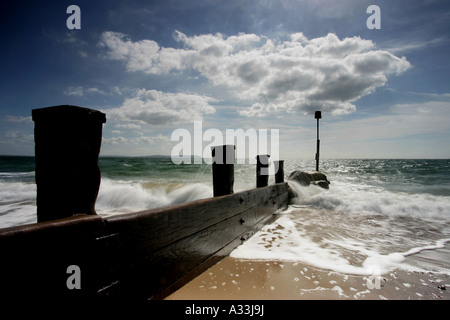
column 116, row 196
column 353, row 229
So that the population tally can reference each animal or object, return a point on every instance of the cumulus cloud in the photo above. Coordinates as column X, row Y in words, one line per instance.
column 160, row 108
column 268, row 75
column 144, row 55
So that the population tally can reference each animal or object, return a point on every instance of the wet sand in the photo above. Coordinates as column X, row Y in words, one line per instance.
column 236, row 279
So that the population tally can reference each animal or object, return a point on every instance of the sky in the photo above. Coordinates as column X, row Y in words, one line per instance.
column 157, row 66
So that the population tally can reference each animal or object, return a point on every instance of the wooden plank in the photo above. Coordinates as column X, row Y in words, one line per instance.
column 35, row 257
column 166, row 225
column 144, row 254
column 215, row 257
column 152, row 272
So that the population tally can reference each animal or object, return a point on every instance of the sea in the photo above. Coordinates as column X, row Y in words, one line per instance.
column 376, row 213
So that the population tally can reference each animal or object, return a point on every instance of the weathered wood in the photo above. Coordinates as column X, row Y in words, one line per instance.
column 223, row 169
column 157, row 263
column 262, row 170
column 144, row 254
column 35, row 257
column 213, row 259
column 162, row 226
column 279, row 171
column 67, row 145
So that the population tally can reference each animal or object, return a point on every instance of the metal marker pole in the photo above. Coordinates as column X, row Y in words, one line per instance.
column 317, row 115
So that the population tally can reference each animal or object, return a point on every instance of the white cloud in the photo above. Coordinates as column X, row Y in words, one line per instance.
column 126, row 125
column 74, row 91
column 144, row 55
column 152, row 139
column 114, row 140
column 417, row 130
column 299, row 74
column 398, row 46
column 159, row 108
column 18, row 119
column 16, row 137
column 80, row 91
column 95, row 90
column 403, row 120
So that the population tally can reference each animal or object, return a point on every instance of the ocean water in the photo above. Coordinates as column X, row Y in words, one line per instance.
column 375, row 215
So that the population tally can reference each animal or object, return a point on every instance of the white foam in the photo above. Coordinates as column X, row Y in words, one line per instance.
column 439, row 244
column 17, row 191
column 333, row 243
column 17, row 203
column 365, row 199
column 190, row 192
column 291, row 244
column 18, row 199
column 124, row 196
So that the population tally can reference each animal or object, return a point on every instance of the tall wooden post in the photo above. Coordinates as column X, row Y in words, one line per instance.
column 223, row 169
column 67, row 145
column 262, row 170
column 317, row 115
column 279, row 171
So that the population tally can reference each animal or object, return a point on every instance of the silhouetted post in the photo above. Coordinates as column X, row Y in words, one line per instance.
column 317, row 115
column 262, row 170
column 67, row 145
column 223, row 169
column 279, row 171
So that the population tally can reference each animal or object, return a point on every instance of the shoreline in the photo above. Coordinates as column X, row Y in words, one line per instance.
column 238, row 279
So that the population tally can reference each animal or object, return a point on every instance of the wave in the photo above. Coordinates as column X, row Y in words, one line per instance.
column 17, row 203
column 18, row 199
column 355, row 229
column 362, row 250
column 17, row 191
column 117, row 196
column 367, row 199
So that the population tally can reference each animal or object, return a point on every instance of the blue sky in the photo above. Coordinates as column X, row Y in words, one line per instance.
column 157, row 66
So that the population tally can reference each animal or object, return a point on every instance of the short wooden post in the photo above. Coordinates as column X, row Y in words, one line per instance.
column 262, row 170
column 279, row 171
column 223, row 169
column 67, row 145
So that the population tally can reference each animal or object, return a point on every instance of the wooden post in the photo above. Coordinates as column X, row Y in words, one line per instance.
column 262, row 170
column 279, row 171
column 67, row 145
column 223, row 169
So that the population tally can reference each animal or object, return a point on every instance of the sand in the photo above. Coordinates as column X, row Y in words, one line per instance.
column 236, row 279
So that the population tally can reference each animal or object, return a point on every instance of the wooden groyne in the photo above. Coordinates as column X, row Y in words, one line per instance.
column 147, row 254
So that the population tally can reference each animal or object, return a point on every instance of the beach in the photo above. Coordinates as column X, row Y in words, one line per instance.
column 237, row 279
column 381, row 231
column 318, row 254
